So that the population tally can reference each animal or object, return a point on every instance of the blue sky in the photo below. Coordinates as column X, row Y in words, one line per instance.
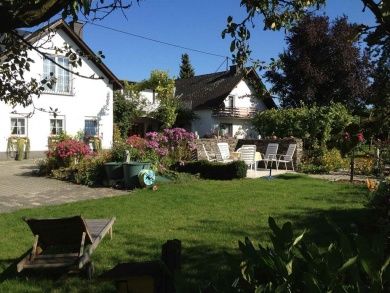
column 195, row 24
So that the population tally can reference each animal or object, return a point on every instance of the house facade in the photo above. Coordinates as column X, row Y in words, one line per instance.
column 224, row 102
column 146, row 124
column 83, row 106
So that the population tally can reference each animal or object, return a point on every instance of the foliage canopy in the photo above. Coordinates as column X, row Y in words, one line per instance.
column 317, row 126
column 278, row 14
column 319, row 55
column 128, row 106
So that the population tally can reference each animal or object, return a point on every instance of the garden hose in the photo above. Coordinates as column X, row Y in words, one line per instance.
column 146, row 178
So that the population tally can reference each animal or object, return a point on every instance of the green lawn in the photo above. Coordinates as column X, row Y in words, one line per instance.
column 209, row 217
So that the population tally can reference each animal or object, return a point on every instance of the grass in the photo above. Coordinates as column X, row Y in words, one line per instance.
column 209, row 217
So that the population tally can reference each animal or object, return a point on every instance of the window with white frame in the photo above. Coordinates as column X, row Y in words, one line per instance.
column 90, row 127
column 57, row 126
column 18, row 126
column 62, row 78
column 230, row 101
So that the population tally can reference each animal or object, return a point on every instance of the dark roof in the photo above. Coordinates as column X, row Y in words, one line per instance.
column 60, row 24
column 210, row 90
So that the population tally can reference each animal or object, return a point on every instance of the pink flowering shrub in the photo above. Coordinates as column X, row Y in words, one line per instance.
column 174, row 143
column 136, row 141
column 69, row 151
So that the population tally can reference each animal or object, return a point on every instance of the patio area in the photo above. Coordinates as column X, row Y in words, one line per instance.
column 263, row 173
column 19, row 188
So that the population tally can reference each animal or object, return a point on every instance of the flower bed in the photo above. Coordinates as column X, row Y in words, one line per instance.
column 73, row 160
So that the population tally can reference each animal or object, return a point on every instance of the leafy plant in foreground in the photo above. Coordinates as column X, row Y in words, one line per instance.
column 296, row 264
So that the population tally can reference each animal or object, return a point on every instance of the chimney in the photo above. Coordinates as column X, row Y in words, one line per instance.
column 77, row 27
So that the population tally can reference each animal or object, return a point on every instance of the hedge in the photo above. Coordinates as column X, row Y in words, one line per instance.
column 214, row 170
column 317, row 126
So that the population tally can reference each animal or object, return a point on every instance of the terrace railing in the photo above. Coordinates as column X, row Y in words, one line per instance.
column 234, row 112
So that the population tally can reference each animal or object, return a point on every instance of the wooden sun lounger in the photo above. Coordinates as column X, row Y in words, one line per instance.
column 65, row 243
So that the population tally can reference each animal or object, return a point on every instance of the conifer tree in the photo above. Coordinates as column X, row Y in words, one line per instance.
column 186, row 69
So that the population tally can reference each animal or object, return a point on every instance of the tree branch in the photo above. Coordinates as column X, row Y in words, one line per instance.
column 47, row 56
column 29, row 13
column 375, row 9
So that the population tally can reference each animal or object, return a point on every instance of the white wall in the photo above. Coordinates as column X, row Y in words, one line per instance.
column 152, row 103
column 243, row 95
column 89, row 99
column 205, row 124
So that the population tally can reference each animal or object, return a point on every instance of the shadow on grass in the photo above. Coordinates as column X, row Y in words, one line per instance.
column 317, row 222
column 290, row 176
column 10, row 271
column 202, row 263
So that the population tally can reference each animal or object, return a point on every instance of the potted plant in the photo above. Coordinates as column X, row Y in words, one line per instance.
column 18, row 147
column 114, row 169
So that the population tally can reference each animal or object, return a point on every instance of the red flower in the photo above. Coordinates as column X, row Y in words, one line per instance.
column 360, row 137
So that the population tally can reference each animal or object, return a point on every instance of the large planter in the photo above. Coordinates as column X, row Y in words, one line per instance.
column 130, row 173
column 114, row 170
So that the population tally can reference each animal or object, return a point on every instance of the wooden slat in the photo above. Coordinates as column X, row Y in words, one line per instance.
column 21, row 264
column 54, row 260
column 64, row 255
column 99, row 233
column 34, row 248
column 48, row 265
column 59, row 231
column 82, row 244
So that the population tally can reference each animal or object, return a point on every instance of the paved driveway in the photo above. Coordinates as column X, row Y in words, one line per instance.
column 19, row 189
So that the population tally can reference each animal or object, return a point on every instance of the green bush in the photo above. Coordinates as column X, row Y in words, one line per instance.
column 90, row 171
column 364, row 165
column 332, row 160
column 317, row 126
column 350, row 264
column 64, row 173
column 213, row 170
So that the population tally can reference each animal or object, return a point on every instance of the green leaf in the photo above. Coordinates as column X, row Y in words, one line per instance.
column 232, row 46
column 273, row 226
column 299, row 238
column 287, row 232
column 350, row 262
column 310, row 283
column 281, row 288
column 368, row 267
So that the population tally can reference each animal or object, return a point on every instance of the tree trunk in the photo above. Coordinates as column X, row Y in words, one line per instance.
column 352, row 165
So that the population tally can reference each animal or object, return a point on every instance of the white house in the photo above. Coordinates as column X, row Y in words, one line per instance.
column 224, row 101
column 145, row 124
column 83, row 104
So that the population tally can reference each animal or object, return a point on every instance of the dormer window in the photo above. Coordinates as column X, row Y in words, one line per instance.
column 61, row 74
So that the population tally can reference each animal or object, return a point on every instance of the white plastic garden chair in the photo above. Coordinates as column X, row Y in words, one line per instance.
column 288, row 157
column 223, row 152
column 248, row 155
column 270, row 154
column 210, row 157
